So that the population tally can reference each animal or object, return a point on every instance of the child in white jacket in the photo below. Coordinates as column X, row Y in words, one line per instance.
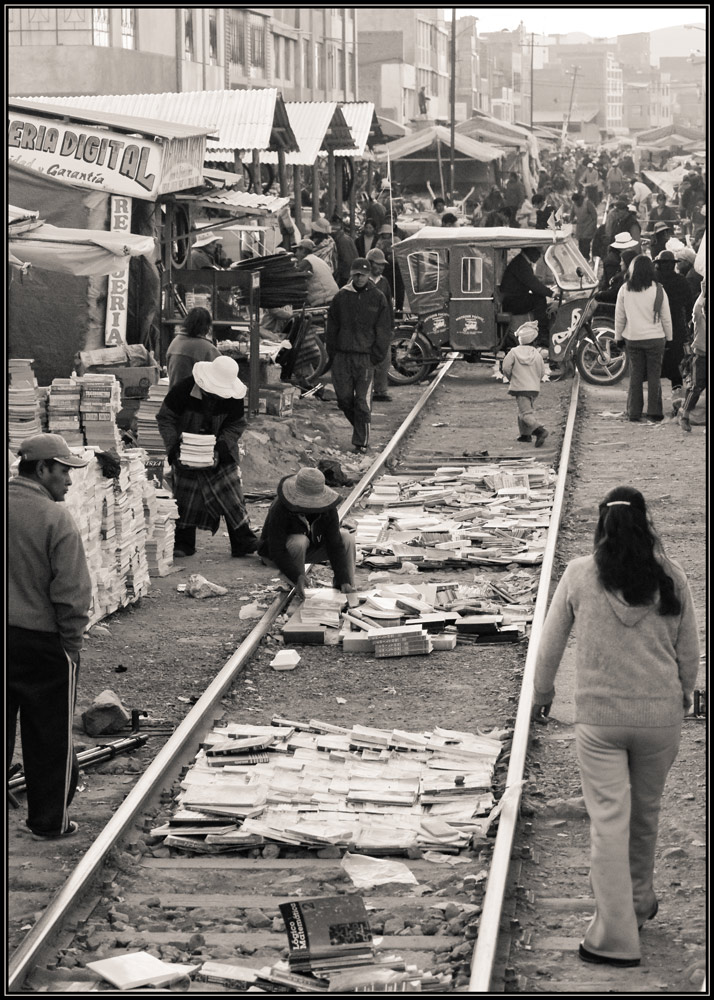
column 524, row 368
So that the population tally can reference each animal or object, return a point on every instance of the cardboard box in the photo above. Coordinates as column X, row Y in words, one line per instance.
column 135, row 382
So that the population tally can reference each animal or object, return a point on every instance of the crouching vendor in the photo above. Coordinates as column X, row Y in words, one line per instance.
column 302, row 526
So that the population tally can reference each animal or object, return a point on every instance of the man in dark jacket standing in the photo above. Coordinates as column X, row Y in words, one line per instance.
column 522, row 292
column 49, row 595
column 357, row 338
column 346, row 251
column 302, row 526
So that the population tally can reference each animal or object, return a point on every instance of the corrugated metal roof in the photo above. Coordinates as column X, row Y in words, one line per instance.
column 80, row 109
column 241, row 119
column 239, row 201
column 362, row 121
column 318, row 126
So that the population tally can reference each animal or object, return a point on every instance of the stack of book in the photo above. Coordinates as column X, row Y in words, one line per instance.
column 322, row 606
column 160, row 514
column 63, row 410
column 99, row 405
column 197, row 450
column 410, row 644
column 327, row 934
column 23, row 407
column 148, row 434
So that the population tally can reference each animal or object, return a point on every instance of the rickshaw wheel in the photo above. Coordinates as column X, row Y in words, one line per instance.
column 592, row 369
column 410, row 361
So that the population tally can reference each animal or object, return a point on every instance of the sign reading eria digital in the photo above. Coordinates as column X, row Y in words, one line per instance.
column 113, row 162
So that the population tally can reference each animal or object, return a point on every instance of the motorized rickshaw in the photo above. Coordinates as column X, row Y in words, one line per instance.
column 452, row 279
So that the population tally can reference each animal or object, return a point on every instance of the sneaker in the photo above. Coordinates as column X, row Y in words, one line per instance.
column 382, row 397
column 540, row 435
column 684, row 421
column 361, row 449
column 69, row 832
column 525, row 438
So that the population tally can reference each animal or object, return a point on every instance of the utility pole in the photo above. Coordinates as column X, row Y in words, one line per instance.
column 566, row 123
column 532, row 37
column 453, row 101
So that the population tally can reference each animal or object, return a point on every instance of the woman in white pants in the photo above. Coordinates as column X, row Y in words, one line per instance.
column 636, row 665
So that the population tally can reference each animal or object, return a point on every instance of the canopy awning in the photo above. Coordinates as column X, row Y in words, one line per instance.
column 76, row 251
column 319, row 126
column 497, row 236
column 426, row 141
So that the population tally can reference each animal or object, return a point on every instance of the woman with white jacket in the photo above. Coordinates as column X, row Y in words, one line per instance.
column 644, row 322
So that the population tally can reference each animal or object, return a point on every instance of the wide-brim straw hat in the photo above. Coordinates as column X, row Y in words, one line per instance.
column 219, row 377
column 321, row 226
column 307, row 489
column 623, row 241
column 207, row 238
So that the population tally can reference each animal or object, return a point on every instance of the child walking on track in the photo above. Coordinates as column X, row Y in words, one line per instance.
column 524, row 368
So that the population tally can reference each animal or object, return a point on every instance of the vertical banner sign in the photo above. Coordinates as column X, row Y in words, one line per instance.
column 118, row 281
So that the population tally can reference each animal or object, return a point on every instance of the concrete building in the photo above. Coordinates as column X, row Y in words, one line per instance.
column 688, row 76
column 308, row 53
column 508, row 73
column 598, row 84
column 647, row 100
column 472, row 93
column 401, row 50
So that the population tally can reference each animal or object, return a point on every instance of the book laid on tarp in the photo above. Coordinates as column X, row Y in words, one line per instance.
column 327, row 932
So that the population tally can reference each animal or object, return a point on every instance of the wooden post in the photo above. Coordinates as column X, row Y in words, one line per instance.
column 282, row 174
column 257, row 186
column 315, row 191
column 297, row 192
column 254, row 381
column 238, row 164
column 339, row 174
column 330, row 204
column 353, row 202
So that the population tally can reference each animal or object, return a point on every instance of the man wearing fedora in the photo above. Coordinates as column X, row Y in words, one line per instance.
column 302, row 527
column 378, row 262
column 663, row 231
column 210, row 401
column 49, row 595
column 357, row 338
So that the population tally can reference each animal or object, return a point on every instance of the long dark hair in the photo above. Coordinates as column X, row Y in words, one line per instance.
column 642, row 274
column 198, row 322
column 626, row 550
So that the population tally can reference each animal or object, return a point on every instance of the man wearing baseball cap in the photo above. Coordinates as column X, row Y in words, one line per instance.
column 378, row 262
column 357, row 339
column 49, row 596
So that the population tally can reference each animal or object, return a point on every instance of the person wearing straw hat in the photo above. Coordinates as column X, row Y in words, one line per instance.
column 524, row 368
column 612, row 260
column 210, row 401
column 49, row 594
column 303, row 527
column 205, row 250
column 357, row 338
column 636, row 664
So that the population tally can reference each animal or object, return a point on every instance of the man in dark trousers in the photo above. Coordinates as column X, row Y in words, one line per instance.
column 49, row 595
column 346, row 250
column 302, row 526
column 522, row 292
column 357, row 338
column 378, row 262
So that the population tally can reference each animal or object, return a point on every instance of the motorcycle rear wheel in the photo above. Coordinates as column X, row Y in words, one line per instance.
column 411, row 362
column 608, row 366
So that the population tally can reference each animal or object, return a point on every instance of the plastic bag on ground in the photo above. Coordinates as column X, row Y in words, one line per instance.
column 366, row 872
column 199, row 586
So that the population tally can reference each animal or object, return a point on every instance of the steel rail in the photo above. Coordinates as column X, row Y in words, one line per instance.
column 485, row 950
column 25, row 957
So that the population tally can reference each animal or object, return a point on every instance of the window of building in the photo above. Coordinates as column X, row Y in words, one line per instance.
column 212, row 37
column 188, row 33
column 306, row 63
column 424, row 271
column 277, row 57
column 340, row 68
column 289, row 67
column 319, row 66
column 472, row 275
column 128, row 28
column 100, row 26
column 351, row 72
column 331, row 67
column 257, row 41
column 235, row 29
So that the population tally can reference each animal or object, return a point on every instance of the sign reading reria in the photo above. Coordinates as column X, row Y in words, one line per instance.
column 118, row 281
column 113, row 162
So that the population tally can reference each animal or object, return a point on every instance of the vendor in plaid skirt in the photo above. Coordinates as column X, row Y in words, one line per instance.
column 210, row 401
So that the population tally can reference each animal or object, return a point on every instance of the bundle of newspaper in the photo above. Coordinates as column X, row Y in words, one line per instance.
column 197, row 450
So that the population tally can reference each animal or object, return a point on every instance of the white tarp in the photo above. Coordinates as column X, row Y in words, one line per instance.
column 77, row 251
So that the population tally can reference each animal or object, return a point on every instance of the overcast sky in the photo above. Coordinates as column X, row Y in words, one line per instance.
column 596, row 21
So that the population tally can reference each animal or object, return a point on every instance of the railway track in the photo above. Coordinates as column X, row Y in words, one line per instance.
column 226, row 907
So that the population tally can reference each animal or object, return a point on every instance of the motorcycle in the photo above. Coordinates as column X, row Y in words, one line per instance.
column 452, row 280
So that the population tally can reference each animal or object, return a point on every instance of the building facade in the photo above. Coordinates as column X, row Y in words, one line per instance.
column 401, row 50
column 309, row 54
column 688, row 81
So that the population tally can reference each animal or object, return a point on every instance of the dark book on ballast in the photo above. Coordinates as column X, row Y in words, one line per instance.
column 330, row 931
